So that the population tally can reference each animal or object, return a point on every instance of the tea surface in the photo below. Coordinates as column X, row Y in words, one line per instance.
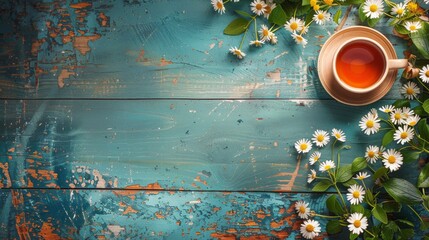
column 360, row 64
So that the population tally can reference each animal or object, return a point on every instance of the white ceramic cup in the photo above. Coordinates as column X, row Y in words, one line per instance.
column 389, row 64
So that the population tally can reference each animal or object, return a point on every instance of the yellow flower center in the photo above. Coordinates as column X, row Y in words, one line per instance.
column 299, row 38
column 412, row 6
column 337, row 135
column 316, row 7
column 370, row 124
column 413, row 28
column 410, row 91
column 357, row 223
column 320, row 138
column 373, row 7
column 356, row 194
column 303, row 146
column 219, row 5
column 265, row 32
column 397, row 116
column 320, row 16
column 267, row 9
column 309, row 228
column 327, row 167
column 237, row 52
column 400, row 11
column 371, row 154
column 294, row 26
column 391, row 159
column 302, row 209
column 258, row 6
column 404, row 135
column 427, row 73
column 412, row 123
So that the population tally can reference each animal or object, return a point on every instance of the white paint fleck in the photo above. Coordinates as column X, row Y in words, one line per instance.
column 115, row 229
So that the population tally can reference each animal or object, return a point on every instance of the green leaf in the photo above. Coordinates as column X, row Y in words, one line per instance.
column 369, row 197
column 349, row 183
column 278, row 16
column 243, row 13
column 362, row 15
column 387, row 138
column 402, row 191
column 380, row 172
column 236, row 27
column 373, row 21
column 406, row 233
column 401, row 29
column 423, row 180
column 421, row 39
column 423, row 129
column 391, row 206
column 333, row 227
column 344, row 173
column 379, row 213
column 322, row 186
column 337, row 15
column 305, row 2
column 419, row 110
column 352, row 2
column 357, row 209
column 358, row 164
column 309, row 16
column 406, row 222
column 410, row 155
column 425, row 105
column 334, row 205
column 401, row 103
column 389, row 230
column 353, row 236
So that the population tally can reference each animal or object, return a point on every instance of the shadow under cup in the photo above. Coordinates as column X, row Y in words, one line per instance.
column 360, row 65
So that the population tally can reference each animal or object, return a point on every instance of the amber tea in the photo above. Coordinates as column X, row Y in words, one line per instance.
column 360, row 64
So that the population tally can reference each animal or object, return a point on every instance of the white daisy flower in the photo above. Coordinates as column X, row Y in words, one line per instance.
column 413, row 120
column 387, row 108
column 237, row 52
column 256, row 43
column 392, row 159
column 374, row 112
column 299, row 39
column 369, row 124
column 294, row 25
column 320, row 138
column 399, row 10
column 273, row 39
column 410, row 90
column 310, row 229
column 321, row 17
column 373, row 8
column 413, row 26
column 372, row 153
column 397, row 117
column 362, row 175
column 304, row 30
column 303, row 146
column 403, row 134
column 424, row 74
column 406, row 113
column 264, row 33
column 218, row 6
column 314, row 157
column 302, row 209
column 311, row 176
column 257, row 7
column 338, row 134
column 326, row 166
column 355, row 194
column 358, row 223
column 268, row 9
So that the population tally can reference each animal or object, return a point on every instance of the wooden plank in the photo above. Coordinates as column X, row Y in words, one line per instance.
column 95, row 214
column 170, row 144
column 167, row 49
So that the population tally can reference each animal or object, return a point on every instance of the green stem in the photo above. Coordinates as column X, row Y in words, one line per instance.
column 256, row 31
column 244, row 36
column 342, row 198
column 421, row 83
column 370, row 233
column 414, row 211
column 326, row 216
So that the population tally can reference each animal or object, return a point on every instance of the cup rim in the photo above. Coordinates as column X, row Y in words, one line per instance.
column 355, row 89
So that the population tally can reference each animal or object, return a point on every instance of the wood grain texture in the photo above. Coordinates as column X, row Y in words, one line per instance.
column 148, row 49
column 120, row 214
column 177, row 144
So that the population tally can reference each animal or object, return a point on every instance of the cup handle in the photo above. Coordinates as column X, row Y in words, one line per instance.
column 397, row 63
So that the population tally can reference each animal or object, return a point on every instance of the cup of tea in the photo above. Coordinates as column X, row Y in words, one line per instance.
column 360, row 64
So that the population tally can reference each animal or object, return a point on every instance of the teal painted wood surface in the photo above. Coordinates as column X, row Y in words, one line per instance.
column 129, row 119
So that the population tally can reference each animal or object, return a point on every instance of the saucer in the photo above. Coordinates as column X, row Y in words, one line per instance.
column 325, row 62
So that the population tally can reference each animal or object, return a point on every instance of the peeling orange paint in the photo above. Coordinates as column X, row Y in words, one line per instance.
column 81, row 5
column 35, row 46
column 216, row 209
column 129, row 210
column 21, row 227
column 255, row 237
column 42, row 174
column 5, row 170
column 64, row 74
column 280, row 234
column 81, row 43
column 11, row 150
column 47, row 232
column 223, row 236
column 131, row 190
column 198, row 179
column 17, row 198
column 159, row 215
column 250, row 223
column 231, row 230
column 261, row 214
column 231, row 213
column 104, row 20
